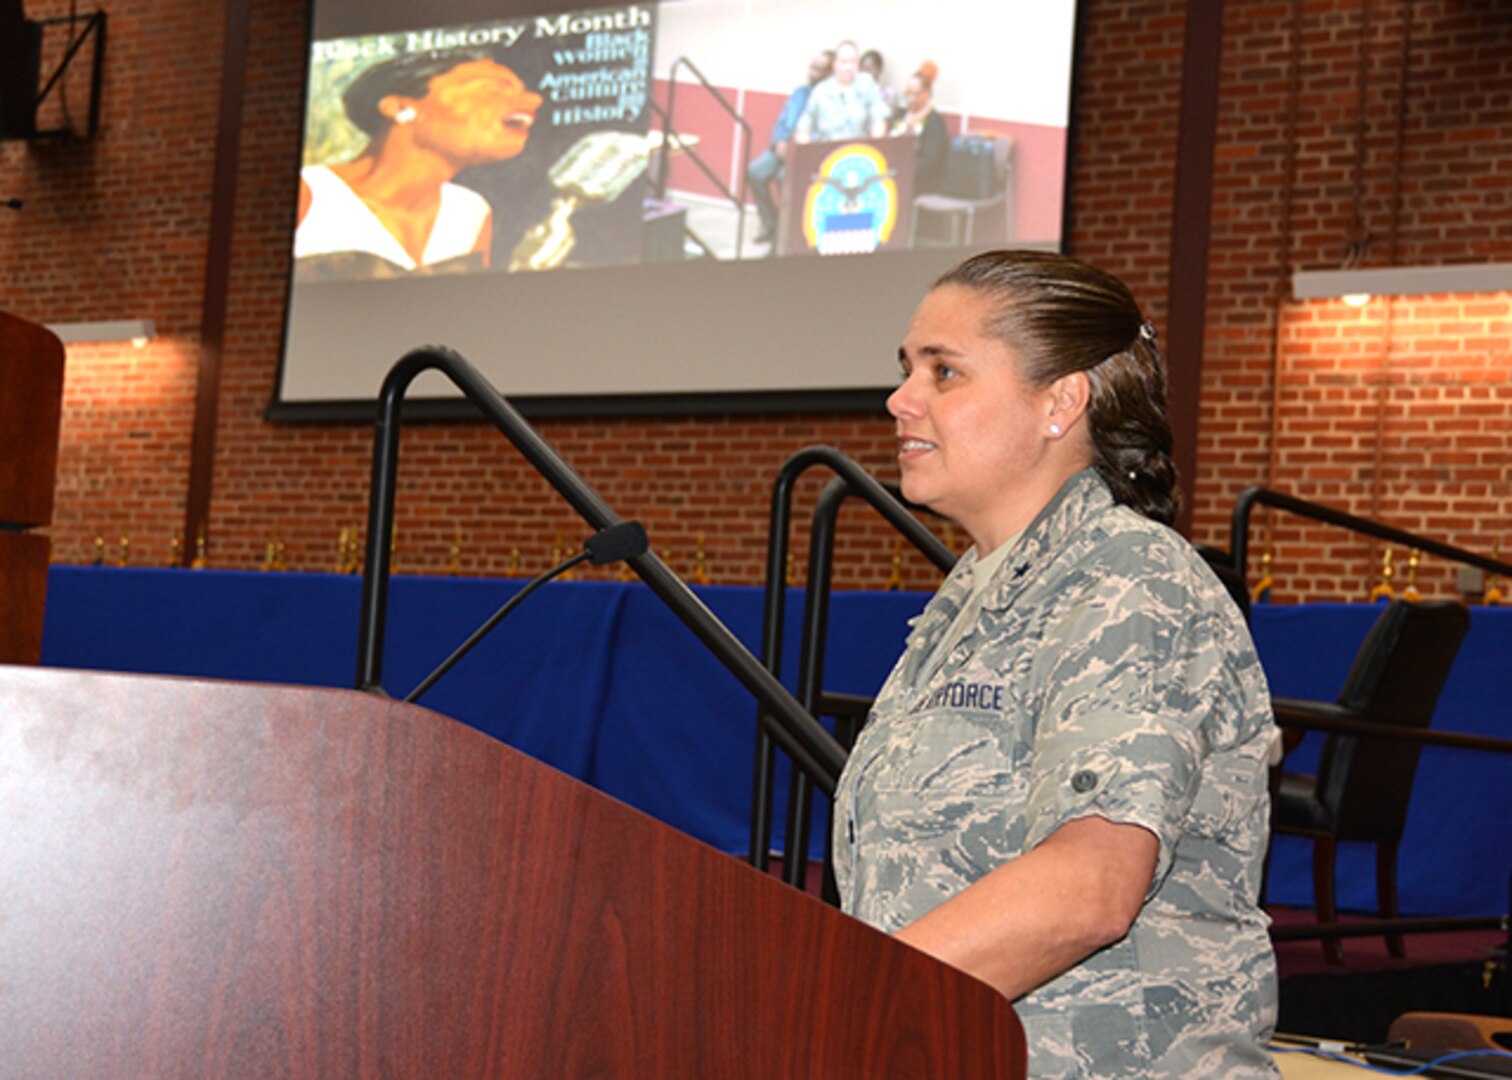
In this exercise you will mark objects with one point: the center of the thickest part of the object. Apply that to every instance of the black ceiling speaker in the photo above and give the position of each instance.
(20, 63)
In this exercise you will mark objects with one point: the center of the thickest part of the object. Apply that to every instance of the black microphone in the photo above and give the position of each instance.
(623, 541)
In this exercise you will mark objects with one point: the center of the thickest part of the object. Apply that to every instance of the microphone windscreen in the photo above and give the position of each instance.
(601, 165)
(623, 541)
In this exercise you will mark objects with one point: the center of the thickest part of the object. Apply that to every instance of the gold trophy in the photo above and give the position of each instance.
(1493, 594)
(597, 169)
(273, 553)
(1383, 589)
(1260, 594)
(1410, 591)
(123, 556)
(700, 563)
(894, 581)
(348, 553)
(201, 551)
(558, 556)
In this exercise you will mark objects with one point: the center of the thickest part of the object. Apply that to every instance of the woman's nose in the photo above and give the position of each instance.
(902, 402)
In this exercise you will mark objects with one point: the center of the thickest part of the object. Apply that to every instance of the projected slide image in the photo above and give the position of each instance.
(834, 131)
(500, 146)
(729, 203)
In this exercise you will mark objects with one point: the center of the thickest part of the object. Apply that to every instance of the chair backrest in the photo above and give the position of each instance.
(977, 167)
(1396, 679)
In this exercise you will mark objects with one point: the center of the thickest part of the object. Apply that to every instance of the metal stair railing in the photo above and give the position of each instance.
(802, 737)
(852, 481)
(737, 199)
(1251, 497)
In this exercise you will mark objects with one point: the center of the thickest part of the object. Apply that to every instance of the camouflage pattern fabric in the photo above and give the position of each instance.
(1108, 674)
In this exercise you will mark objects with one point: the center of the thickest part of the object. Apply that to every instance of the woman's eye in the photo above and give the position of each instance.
(944, 372)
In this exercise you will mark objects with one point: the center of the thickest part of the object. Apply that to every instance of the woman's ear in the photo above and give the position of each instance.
(1069, 398)
(396, 108)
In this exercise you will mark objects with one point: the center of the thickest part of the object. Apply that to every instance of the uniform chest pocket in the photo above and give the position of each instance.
(943, 753)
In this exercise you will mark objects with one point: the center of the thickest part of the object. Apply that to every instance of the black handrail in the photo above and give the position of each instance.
(1249, 497)
(811, 657)
(738, 198)
(785, 721)
(859, 483)
(688, 233)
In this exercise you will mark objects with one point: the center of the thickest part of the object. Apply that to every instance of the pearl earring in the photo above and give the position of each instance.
(405, 115)
(1055, 429)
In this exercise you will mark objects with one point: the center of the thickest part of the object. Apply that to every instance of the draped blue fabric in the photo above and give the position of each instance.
(601, 681)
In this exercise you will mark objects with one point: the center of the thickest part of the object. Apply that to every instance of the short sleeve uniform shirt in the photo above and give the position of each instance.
(1108, 673)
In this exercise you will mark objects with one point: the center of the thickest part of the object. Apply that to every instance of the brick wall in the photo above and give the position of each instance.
(113, 229)
(1401, 410)
(1398, 410)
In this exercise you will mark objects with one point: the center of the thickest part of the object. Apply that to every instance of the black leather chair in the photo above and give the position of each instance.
(1363, 785)
(1222, 564)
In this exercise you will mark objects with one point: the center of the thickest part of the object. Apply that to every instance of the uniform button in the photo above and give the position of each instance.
(1084, 781)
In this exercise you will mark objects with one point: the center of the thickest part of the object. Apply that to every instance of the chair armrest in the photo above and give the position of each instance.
(1296, 716)
(1298, 711)
(1301, 714)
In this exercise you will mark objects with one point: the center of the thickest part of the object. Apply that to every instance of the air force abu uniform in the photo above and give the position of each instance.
(1106, 674)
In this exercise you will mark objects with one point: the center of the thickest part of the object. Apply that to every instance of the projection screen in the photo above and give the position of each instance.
(568, 195)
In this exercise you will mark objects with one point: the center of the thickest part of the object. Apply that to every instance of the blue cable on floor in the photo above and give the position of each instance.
(1423, 1068)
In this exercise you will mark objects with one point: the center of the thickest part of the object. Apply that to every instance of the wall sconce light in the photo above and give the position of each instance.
(137, 331)
(1355, 286)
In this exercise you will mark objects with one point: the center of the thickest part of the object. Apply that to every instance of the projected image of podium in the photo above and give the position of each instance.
(223, 879)
(847, 198)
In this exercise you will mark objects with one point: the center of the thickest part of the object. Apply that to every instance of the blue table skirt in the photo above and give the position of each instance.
(603, 682)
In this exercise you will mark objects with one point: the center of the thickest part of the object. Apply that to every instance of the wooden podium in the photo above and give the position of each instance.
(218, 879)
(31, 409)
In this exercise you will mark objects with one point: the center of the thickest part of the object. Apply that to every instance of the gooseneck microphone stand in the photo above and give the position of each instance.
(790, 725)
(623, 541)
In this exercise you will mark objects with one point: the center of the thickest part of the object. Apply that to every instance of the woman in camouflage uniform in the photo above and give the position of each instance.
(1061, 788)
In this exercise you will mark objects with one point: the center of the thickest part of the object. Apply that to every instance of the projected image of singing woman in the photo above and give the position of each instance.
(393, 209)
